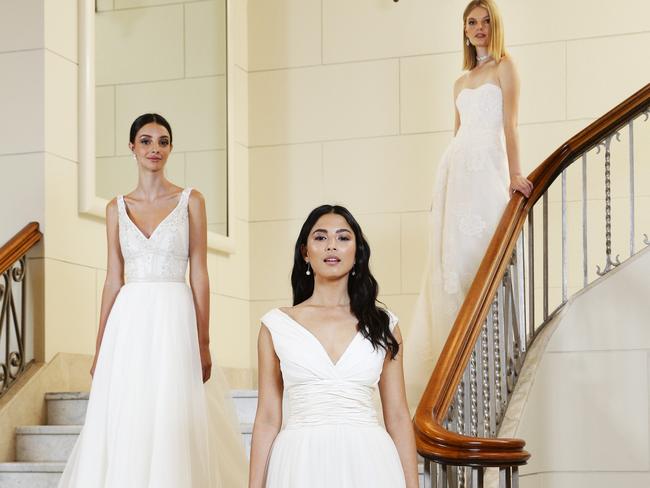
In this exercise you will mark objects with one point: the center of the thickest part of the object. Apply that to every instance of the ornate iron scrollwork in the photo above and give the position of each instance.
(12, 325)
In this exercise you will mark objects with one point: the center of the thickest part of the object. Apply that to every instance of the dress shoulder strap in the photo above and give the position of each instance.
(392, 320)
(120, 204)
(273, 320)
(185, 195)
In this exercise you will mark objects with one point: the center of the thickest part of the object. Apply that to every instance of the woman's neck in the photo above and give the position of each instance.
(482, 51)
(330, 293)
(152, 185)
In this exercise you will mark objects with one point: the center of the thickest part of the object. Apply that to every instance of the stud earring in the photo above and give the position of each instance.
(354, 271)
(308, 272)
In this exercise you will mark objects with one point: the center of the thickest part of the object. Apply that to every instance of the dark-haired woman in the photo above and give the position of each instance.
(326, 355)
(151, 422)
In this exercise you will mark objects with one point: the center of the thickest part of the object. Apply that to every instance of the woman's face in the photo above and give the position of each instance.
(477, 27)
(331, 247)
(152, 146)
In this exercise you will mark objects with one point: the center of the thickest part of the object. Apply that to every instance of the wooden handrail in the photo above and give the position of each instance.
(433, 440)
(18, 245)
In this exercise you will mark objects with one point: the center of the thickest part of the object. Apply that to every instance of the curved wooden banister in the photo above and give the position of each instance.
(18, 245)
(433, 440)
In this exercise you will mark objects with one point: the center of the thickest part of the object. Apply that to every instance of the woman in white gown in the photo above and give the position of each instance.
(478, 171)
(151, 422)
(326, 355)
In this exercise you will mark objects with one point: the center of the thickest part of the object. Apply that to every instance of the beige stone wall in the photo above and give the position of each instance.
(351, 102)
(182, 75)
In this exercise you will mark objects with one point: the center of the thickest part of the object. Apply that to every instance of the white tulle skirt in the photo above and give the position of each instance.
(328, 456)
(151, 422)
(469, 196)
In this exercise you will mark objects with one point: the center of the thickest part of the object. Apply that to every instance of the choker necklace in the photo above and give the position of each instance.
(480, 59)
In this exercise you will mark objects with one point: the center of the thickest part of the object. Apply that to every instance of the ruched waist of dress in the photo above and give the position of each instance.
(155, 279)
(477, 132)
(330, 402)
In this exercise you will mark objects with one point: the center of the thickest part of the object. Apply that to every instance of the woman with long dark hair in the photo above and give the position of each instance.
(325, 356)
(153, 419)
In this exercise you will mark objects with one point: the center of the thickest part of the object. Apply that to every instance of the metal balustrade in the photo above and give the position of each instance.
(15, 351)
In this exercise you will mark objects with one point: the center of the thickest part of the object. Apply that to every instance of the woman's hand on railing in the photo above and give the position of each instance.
(520, 183)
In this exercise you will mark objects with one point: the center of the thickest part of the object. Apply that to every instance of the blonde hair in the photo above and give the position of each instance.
(496, 47)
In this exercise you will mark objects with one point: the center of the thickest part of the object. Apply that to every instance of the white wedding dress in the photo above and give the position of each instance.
(469, 197)
(331, 437)
(151, 422)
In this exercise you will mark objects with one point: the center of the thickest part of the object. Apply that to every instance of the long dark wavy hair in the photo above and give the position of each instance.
(362, 286)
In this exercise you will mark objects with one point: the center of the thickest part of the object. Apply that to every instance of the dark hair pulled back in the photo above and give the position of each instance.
(145, 119)
(362, 286)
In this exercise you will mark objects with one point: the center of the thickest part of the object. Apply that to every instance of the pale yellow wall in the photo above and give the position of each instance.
(351, 102)
(182, 75)
(22, 144)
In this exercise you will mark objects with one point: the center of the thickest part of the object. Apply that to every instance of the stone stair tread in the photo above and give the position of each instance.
(71, 395)
(35, 467)
(48, 429)
(243, 393)
(84, 395)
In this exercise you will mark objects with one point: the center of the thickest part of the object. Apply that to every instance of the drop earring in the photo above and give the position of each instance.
(308, 272)
(354, 271)
(467, 41)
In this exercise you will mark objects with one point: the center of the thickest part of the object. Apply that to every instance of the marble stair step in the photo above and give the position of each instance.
(70, 408)
(45, 443)
(245, 404)
(66, 408)
(30, 475)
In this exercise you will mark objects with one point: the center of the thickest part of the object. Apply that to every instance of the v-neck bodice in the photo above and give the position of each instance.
(163, 256)
(318, 390)
(307, 331)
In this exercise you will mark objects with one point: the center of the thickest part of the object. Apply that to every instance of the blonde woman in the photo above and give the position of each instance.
(478, 172)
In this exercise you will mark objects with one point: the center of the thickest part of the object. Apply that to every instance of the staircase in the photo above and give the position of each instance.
(42, 450)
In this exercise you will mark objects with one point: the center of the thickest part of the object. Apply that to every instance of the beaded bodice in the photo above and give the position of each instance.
(163, 256)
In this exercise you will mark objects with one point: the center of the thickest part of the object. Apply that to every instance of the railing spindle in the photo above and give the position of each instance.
(585, 259)
(565, 251)
(545, 252)
(631, 159)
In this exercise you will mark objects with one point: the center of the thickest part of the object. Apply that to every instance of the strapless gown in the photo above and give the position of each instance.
(469, 197)
(151, 422)
(331, 436)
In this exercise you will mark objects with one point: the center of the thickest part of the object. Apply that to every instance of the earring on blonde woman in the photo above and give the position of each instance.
(467, 41)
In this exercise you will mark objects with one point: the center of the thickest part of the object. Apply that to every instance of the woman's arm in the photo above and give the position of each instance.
(509, 81)
(396, 413)
(114, 274)
(268, 418)
(199, 277)
(458, 86)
